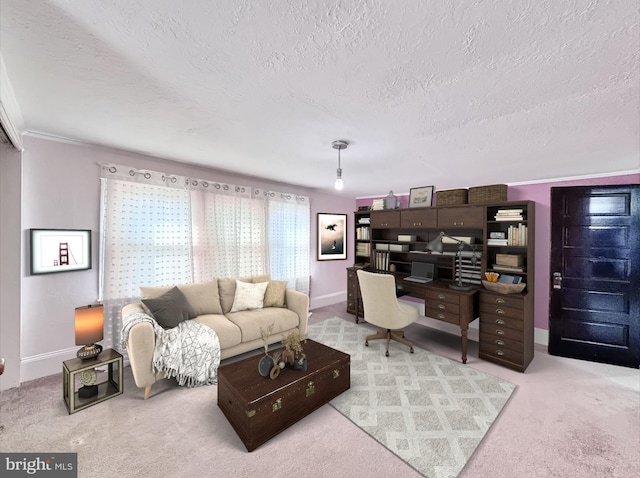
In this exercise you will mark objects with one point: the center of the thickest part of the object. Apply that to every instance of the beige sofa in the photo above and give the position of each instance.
(213, 302)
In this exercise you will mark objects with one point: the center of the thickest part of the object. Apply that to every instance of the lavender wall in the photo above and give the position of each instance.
(541, 194)
(62, 190)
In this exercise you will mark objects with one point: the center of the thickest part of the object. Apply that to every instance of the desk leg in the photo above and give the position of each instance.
(464, 344)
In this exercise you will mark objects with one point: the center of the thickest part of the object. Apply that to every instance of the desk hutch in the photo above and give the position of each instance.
(388, 241)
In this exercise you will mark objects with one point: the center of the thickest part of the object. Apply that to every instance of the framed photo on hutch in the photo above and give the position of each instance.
(60, 250)
(332, 236)
(421, 197)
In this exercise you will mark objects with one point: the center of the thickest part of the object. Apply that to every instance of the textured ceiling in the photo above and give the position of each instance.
(452, 94)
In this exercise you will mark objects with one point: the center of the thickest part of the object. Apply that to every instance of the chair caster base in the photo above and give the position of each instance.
(366, 344)
(386, 354)
(411, 350)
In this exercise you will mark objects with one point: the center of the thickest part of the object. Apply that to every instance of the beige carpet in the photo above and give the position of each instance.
(430, 411)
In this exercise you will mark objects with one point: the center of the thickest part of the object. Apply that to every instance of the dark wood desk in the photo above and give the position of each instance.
(459, 307)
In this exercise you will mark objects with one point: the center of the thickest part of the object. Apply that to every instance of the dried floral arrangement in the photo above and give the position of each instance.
(265, 334)
(293, 342)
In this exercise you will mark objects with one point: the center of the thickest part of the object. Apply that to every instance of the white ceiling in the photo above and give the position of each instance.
(448, 93)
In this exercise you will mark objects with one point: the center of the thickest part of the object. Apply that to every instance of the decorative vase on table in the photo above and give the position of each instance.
(265, 365)
(300, 363)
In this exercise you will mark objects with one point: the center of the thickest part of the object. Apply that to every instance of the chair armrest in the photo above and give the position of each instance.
(299, 303)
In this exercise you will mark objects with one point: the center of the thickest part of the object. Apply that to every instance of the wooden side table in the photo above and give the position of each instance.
(111, 387)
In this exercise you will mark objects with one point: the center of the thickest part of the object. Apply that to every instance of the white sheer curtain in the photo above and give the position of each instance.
(160, 229)
(146, 238)
(229, 231)
(289, 228)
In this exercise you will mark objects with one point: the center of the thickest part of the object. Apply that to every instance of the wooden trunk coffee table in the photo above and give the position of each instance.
(259, 408)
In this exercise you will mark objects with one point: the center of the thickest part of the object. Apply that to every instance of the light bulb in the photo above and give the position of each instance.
(339, 184)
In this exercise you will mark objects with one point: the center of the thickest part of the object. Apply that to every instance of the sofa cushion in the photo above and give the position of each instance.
(170, 308)
(229, 334)
(250, 321)
(248, 296)
(203, 296)
(227, 289)
(274, 296)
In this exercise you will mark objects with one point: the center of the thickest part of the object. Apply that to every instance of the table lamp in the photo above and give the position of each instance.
(435, 245)
(89, 330)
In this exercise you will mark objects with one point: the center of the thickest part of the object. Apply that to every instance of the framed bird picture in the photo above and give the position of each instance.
(332, 236)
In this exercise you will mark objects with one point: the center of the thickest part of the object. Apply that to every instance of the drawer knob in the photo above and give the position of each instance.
(499, 352)
(441, 306)
(499, 301)
(499, 342)
(499, 332)
(500, 311)
(499, 321)
(441, 316)
(440, 296)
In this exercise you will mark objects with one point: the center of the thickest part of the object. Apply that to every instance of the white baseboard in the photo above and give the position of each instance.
(43, 365)
(326, 300)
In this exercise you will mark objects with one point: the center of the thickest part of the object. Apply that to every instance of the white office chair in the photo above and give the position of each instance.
(382, 309)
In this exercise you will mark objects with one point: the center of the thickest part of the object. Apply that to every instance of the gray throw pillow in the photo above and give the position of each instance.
(170, 308)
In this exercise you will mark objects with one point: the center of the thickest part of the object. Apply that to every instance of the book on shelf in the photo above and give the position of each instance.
(364, 220)
(382, 260)
(363, 233)
(509, 215)
(497, 242)
(377, 204)
(363, 249)
(509, 279)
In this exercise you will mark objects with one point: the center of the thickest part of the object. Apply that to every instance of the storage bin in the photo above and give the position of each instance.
(451, 197)
(509, 259)
(488, 194)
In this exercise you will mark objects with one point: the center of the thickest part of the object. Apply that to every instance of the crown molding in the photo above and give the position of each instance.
(10, 115)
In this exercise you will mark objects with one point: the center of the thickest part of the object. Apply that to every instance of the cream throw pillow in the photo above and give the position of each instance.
(248, 296)
(275, 294)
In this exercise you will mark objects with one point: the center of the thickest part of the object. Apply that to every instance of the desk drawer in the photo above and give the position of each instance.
(447, 316)
(501, 342)
(496, 326)
(437, 296)
(491, 310)
(501, 353)
(501, 300)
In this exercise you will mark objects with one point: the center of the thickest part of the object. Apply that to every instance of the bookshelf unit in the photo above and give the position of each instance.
(362, 242)
(507, 320)
(510, 252)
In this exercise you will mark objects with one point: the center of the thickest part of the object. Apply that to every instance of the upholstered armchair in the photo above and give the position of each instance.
(382, 309)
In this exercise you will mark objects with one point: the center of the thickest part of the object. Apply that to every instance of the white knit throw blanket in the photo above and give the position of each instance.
(190, 352)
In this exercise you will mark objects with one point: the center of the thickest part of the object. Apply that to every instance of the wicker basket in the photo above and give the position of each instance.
(504, 288)
(488, 194)
(451, 197)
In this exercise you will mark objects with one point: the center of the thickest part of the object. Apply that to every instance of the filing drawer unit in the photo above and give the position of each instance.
(506, 331)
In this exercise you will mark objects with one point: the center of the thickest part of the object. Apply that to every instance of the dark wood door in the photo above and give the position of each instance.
(594, 312)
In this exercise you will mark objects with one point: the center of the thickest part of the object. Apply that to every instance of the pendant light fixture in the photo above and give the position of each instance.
(339, 145)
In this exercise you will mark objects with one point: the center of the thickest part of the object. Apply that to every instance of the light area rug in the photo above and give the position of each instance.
(428, 410)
